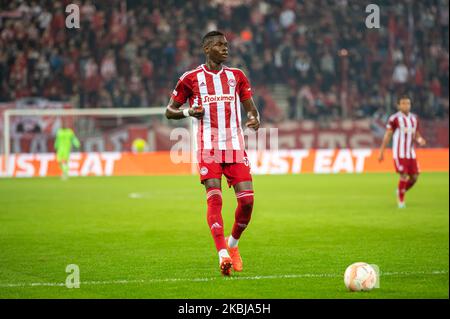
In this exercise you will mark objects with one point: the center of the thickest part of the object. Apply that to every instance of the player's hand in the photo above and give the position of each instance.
(252, 123)
(197, 112)
(421, 141)
(381, 157)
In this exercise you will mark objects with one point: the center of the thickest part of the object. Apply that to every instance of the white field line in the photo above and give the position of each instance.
(149, 281)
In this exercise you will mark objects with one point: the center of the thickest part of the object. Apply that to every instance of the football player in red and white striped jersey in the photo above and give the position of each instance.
(403, 127)
(215, 93)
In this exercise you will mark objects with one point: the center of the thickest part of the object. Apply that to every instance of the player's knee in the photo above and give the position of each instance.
(245, 201)
(214, 197)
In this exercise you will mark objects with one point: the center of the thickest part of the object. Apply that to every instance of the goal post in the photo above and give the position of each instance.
(97, 112)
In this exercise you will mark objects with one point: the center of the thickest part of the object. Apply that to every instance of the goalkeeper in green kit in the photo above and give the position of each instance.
(65, 138)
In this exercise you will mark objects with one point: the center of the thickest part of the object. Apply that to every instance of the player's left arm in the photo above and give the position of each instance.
(252, 114)
(245, 94)
(75, 140)
(420, 140)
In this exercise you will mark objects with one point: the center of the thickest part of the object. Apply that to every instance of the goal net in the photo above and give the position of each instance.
(109, 130)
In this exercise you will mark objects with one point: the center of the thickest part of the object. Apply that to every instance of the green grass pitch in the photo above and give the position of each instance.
(147, 237)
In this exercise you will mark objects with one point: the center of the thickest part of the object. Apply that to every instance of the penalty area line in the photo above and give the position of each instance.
(206, 279)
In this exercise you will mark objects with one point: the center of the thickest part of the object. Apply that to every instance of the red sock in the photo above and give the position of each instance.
(402, 189)
(410, 183)
(214, 216)
(243, 213)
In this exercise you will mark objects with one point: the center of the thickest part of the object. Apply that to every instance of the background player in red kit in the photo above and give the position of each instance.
(215, 93)
(404, 127)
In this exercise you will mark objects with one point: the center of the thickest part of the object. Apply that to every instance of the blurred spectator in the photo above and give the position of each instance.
(131, 52)
(400, 75)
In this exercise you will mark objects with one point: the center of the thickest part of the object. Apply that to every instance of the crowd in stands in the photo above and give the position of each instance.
(130, 53)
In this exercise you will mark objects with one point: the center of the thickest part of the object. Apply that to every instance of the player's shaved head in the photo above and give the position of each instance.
(215, 47)
(207, 38)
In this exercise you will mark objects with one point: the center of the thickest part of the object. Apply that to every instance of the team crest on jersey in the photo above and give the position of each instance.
(203, 170)
(202, 84)
(232, 82)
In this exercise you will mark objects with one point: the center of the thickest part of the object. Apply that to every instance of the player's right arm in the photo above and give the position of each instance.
(179, 96)
(386, 139)
(174, 112)
(56, 145)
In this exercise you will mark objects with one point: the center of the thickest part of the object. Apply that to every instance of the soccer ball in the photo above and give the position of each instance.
(360, 276)
(139, 145)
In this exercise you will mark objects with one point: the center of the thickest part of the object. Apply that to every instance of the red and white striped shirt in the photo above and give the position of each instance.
(220, 93)
(404, 128)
